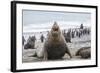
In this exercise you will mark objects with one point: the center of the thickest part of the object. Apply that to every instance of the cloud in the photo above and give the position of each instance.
(40, 17)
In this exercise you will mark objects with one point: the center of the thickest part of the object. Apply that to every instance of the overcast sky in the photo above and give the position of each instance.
(38, 17)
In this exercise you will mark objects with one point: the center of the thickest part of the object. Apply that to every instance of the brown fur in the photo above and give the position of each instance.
(84, 52)
(55, 46)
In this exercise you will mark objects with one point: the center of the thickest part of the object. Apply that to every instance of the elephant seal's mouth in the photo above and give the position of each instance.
(55, 29)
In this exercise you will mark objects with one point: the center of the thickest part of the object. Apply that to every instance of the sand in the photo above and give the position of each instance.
(76, 43)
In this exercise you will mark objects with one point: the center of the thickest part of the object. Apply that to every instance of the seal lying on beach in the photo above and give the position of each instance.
(55, 45)
(30, 43)
(84, 52)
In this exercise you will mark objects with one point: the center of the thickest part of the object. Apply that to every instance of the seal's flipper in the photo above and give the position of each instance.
(68, 52)
(45, 55)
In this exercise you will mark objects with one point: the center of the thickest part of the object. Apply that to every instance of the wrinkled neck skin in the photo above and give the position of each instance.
(54, 40)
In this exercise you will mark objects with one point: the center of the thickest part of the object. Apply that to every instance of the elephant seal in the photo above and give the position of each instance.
(55, 45)
(84, 52)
